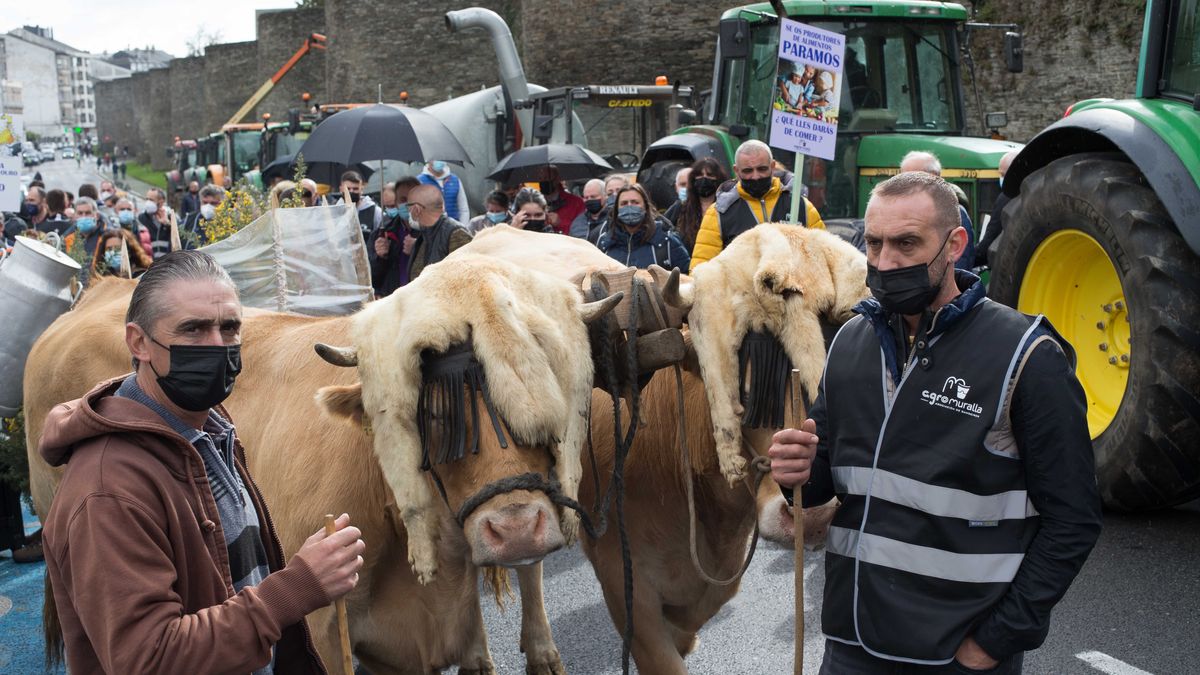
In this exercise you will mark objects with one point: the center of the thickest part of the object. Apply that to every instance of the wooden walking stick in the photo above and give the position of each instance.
(798, 413)
(340, 604)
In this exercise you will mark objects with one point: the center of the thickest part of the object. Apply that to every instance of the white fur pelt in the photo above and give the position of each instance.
(777, 278)
(529, 336)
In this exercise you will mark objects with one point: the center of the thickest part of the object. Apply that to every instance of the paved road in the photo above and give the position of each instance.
(62, 174)
(1137, 602)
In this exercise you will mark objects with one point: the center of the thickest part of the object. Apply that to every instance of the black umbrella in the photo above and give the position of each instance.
(322, 172)
(377, 132)
(529, 164)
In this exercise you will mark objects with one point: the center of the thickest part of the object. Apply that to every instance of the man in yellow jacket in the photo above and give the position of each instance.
(759, 197)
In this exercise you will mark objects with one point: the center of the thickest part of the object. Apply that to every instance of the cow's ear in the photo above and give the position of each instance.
(342, 402)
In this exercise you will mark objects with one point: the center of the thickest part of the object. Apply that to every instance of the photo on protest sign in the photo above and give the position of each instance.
(808, 84)
(12, 128)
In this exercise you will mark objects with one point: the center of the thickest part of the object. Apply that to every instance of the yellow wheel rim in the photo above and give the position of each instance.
(1073, 282)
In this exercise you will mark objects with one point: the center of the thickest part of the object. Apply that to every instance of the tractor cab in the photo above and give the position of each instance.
(900, 90)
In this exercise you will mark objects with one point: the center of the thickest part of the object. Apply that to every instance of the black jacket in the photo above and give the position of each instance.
(1041, 447)
(390, 273)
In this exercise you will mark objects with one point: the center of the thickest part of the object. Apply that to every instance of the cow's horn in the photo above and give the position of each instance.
(345, 357)
(675, 296)
(591, 311)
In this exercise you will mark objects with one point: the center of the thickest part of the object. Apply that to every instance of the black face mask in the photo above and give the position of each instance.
(593, 206)
(906, 290)
(706, 187)
(757, 187)
(201, 376)
(535, 225)
(355, 196)
(29, 210)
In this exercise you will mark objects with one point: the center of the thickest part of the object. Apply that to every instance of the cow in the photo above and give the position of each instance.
(322, 436)
(777, 279)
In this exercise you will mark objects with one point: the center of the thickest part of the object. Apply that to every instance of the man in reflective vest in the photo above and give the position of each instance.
(955, 433)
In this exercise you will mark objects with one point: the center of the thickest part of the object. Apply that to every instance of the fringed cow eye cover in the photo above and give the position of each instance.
(769, 368)
(449, 382)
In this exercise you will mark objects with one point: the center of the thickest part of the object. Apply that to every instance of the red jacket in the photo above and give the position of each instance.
(569, 207)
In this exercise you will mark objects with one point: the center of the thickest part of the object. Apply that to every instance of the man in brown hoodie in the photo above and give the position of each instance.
(160, 550)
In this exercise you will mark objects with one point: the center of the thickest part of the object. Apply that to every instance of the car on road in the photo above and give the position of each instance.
(68, 153)
(31, 158)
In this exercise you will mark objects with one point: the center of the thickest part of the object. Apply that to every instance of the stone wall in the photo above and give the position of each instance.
(231, 72)
(625, 42)
(115, 114)
(1074, 49)
(187, 83)
(406, 47)
(280, 34)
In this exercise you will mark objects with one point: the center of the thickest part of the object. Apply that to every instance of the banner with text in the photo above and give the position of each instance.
(807, 89)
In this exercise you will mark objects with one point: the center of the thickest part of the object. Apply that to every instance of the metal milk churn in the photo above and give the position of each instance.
(35, 289)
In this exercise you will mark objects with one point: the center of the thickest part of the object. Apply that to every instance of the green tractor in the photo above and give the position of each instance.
(901, 91)
(1102, 237)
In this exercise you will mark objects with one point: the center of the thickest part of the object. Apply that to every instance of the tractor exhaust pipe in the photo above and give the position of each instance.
(512, 73)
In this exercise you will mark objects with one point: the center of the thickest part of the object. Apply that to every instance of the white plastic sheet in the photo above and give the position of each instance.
(305, 260)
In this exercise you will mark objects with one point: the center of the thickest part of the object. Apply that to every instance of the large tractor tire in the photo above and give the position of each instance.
(1089, 244)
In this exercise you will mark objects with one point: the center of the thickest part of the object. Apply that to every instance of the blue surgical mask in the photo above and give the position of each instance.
(682, 192)
(497, 216)
(112, 258)
(631, 214)
(85, 225)
(402, 211)
(439, 166)
(392, 211)
(125, 217)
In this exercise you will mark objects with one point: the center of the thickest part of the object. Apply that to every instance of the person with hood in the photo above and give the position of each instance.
(638, 237)
(437, 174)
(758, 197)
(955, 432)
(437, 234)
(159, 547)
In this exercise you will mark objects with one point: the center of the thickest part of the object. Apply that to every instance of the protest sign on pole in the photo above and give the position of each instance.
(807, 95)
(10, 184)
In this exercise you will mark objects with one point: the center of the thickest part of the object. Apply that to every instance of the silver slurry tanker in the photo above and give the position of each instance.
(35, 289)
(492, 122)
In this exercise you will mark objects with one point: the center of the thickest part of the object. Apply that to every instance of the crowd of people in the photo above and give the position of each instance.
(104, 219)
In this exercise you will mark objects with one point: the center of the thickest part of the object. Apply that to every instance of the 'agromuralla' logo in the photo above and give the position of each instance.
(953, 397)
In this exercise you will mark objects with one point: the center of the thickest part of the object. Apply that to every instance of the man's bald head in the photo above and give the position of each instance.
(425, 206)
(1006, 161)
(919, 160)
(426, 195)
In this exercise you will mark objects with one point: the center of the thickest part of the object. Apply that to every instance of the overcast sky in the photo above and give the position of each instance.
(104, 25)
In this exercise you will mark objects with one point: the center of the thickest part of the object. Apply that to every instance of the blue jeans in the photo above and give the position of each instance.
(844, 659)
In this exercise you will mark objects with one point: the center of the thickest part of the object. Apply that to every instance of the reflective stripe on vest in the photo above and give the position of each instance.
(932, 499)
(975, 568)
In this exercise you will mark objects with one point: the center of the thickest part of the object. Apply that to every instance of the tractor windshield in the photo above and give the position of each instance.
(898, 76)
(245, 152)
(288, 144)
(1182, 72)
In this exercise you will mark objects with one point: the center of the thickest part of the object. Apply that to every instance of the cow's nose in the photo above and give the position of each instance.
(516, 534)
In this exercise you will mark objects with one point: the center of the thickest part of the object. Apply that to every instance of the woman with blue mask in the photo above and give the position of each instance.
(495, 212)
(639, 237)
(109, 258)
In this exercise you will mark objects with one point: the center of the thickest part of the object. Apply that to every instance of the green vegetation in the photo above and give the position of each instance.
(144, 173)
